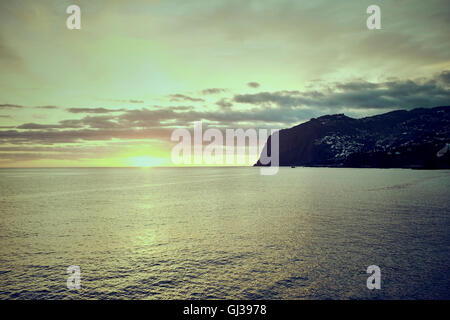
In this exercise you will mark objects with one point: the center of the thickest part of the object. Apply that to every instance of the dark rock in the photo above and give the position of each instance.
(398, 139)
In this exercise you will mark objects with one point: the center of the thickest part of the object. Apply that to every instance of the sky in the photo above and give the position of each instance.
(111, 93)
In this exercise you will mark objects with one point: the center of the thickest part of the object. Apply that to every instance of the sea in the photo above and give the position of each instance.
(224, 233)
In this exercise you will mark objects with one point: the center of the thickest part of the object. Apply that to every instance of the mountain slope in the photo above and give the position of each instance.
(418, 138)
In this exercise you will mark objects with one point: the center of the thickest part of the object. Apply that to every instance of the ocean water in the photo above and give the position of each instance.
(224, 233)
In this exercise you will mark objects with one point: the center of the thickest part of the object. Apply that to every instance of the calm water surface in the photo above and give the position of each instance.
(224, 233)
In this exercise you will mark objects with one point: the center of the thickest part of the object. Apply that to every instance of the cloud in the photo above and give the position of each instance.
(178, 97)
(47, 107)
(36, 126)
(17, 156)
(93, 110)
(445, 77)
(253, 84)
(124, 100)
(13, 106)
(142, 124)
(278, 109)
(73, 136)
(224, 104)
(360, 94)
(100, 122)
(213, 91)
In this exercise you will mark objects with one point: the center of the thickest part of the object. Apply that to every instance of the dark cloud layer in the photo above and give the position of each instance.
(402, 94)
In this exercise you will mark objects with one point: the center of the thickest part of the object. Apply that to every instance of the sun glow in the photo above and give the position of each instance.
(145, 161)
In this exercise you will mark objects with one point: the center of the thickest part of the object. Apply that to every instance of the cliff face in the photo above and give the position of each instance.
(400, 139)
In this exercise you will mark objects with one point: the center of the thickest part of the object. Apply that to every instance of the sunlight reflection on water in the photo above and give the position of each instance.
(224, 233)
